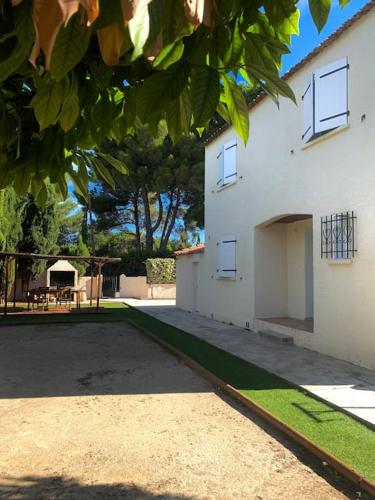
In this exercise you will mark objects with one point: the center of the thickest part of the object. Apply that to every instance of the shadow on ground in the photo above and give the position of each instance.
(43, 488)
(38, 361)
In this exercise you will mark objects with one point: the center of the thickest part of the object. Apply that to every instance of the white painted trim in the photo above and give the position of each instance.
(340, 262)
(221, 188)
(325, 136)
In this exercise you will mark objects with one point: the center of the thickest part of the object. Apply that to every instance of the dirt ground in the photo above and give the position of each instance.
(100, 411)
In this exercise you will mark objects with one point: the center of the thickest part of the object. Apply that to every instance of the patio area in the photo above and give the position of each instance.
(55, 290)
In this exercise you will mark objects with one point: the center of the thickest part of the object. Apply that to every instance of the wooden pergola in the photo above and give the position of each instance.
(93, 260)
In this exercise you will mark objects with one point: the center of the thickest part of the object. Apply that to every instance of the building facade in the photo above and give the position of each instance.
(290, 217)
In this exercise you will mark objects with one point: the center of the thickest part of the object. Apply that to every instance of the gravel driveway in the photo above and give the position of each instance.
(100, 411)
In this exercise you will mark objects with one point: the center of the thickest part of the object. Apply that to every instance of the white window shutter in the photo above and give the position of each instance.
(230, 161)
(220, 163)
(331, 96)
(227, 256)
(308, 111)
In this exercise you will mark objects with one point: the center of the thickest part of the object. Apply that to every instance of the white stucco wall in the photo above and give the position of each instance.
(85, 285)
(278, 176)
(271, 298)
(137, 287)
(296, 269)
(188, 268)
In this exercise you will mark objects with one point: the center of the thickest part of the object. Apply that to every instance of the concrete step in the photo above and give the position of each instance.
(281, 338)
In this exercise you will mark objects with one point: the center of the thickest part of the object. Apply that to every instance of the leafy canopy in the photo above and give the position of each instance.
(74, 73)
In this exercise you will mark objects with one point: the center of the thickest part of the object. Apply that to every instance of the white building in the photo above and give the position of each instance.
(290, 218)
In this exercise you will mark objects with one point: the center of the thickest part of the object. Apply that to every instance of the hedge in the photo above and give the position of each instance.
(161, 271)
(133, 262)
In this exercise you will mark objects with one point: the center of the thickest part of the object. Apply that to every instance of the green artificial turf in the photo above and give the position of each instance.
(338, 433)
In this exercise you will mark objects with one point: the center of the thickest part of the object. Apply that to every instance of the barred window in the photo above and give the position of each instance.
(338, 240)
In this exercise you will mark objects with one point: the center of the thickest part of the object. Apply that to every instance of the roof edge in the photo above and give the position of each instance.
(190, 250)
(292, 71)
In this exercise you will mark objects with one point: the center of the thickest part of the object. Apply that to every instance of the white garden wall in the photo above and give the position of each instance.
(137, 288)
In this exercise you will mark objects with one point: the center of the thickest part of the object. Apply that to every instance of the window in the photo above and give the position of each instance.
(227, 162)
(227, 256)
(325, 100)
(338, 238)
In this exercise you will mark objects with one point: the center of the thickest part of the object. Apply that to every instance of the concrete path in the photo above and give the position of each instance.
(348, 386)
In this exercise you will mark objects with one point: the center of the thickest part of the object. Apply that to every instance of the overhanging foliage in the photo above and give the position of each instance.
(74, 73)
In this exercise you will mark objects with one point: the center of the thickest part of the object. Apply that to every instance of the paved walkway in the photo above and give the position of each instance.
(346, 385)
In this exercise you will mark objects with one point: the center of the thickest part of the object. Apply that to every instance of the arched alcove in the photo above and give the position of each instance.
(284, 277)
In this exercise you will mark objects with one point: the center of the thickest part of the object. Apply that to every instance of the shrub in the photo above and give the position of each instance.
(161, 271)
(133, 262)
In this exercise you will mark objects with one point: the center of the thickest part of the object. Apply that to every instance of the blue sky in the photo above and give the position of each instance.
(309, 37)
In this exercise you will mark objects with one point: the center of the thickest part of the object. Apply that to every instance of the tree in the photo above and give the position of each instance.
(40, 232)
(11, 210)
(75, 73)
(77, 248)
(71, 217)
(163, 180)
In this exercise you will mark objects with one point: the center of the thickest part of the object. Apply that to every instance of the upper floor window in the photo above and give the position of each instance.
(227, 256)
(325, 100)
(227, 162)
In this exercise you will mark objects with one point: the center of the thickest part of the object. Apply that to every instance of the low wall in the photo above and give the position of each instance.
(137, 288)
(84, 284)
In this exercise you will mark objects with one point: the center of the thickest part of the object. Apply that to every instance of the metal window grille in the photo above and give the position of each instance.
(338, 238)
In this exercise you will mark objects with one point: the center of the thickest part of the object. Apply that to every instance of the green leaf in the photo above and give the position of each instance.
(237, 107)
(70, 109)
(35, 187)
(223, 111)
(21, 181)
(179, 116)
(63, 187)
(47, 102)
(289, 26)
(256, 52)
(42, 195)
(233, 54)
(109, 13)
(169, 55)
(23, 24)
(205, 92)
(154, 93)
(319, 11)
(271, 79)
(343, 3)
(70, 46)
(139, 30)
(80, 184)
(103, 171)
(117, 164)
(13, 62)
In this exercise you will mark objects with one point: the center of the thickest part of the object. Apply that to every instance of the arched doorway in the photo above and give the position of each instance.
(284, 276)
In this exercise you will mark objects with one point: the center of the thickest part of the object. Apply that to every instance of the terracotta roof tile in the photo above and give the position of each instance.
(190, 250)
(318, 49)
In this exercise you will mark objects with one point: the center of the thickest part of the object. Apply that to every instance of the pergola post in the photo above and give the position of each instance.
(6, 264)
(100, 265)
(91, 282)
(15, 282)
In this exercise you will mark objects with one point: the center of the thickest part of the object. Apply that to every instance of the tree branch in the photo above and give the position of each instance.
(160, 215)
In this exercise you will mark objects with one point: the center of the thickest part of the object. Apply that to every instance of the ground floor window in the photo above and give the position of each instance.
(338, 239)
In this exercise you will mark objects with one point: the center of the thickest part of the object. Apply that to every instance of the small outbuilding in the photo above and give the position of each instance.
(188, 262)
